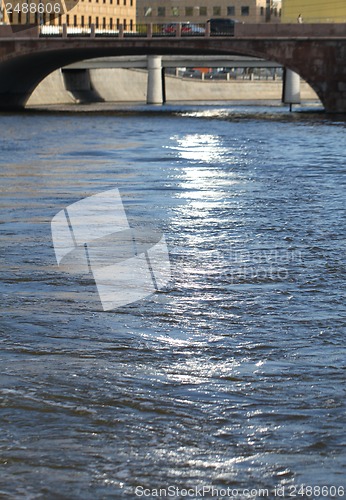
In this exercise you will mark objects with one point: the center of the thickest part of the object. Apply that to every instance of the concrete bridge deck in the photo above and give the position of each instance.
(176, 62)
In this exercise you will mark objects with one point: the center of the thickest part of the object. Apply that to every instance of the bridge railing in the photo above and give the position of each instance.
(260, 30)
(195, 30)
(139, 30)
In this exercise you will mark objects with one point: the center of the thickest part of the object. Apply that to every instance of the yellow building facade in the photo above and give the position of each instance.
(314, 11)
(199, 11)
(107, 14)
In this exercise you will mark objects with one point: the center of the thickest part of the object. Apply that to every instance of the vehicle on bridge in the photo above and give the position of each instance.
(222, 26)
(185, 28)
(192, 73)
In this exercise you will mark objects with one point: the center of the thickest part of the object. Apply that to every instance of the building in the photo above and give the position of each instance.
(314, 11)
(199, 11)
(107, 14)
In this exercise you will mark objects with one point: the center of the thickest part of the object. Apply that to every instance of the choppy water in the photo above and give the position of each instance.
(233, 377)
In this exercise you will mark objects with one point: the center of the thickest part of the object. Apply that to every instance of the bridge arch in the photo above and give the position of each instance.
(24, 63)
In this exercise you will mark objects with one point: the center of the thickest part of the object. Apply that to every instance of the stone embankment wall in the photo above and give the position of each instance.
(127, 85)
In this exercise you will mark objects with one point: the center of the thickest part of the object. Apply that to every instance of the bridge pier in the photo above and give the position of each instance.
(291, 89)
(154, 87)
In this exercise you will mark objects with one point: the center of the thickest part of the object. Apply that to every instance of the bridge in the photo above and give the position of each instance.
(175, 62)
(156, 66)
(317, 52)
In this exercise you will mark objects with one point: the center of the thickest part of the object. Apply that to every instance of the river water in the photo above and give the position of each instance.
(230, 378)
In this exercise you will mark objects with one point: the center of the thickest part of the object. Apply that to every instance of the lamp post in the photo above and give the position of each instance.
(268, 11)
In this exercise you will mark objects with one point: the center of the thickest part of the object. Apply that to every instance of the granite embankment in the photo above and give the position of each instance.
(128, 85)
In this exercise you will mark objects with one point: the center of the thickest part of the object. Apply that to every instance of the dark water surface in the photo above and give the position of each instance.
(233, 376)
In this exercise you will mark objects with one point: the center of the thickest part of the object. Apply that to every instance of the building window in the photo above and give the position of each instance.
(118, 2)
(90, 21)
(74, 20)
(262, 11)
(124, 2)
(104, 24)
(96, 21)
(175, 11)
(111, 23)
(161, 11)
(131, 3)
(131, 25)
(231, 10)
(188, 11)
(203, 11)
(125, 24)
(217, 11)
(67, 19)
(118, 23)
(82, 21)
(245, 10)
(148, 11)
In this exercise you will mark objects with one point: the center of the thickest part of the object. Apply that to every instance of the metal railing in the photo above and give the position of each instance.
(227, 74)
(121, 31)
(178, 30)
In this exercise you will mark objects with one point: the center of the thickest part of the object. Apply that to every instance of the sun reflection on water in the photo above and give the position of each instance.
(200, 148)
